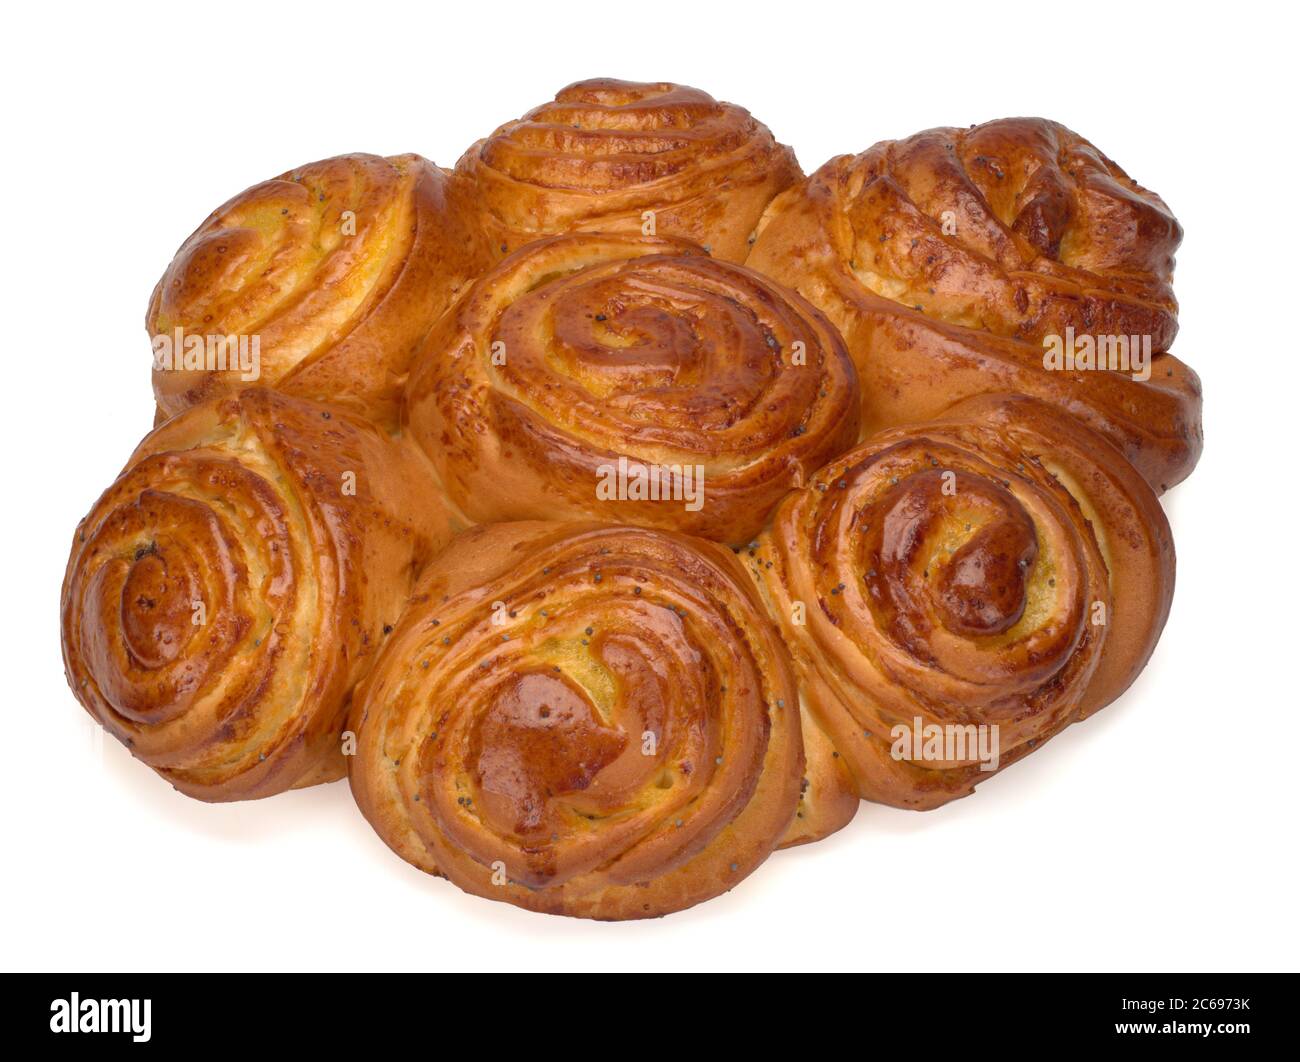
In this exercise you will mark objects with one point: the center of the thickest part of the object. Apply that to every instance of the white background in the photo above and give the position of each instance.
(1162, 834)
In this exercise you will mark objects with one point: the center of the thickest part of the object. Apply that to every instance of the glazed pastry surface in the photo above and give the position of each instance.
(622, 156)
(632, 379)
(582, 719)
(338, 268)
(1003, 566)
(948, 259)
(226, 593)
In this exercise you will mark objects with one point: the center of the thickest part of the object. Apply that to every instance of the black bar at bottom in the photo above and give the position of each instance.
(546, 1012)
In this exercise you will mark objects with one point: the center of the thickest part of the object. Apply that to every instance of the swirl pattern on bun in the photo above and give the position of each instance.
(330, 274)
(622, 156)
(226, 593)
(1012, 256)
(632, 379)
(581, 719)
(1001, 567)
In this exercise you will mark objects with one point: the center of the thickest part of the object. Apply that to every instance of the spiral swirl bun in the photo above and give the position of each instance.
(605, 152)
(581, 719)
(634, 379)
(1002, 567)
(955, 261)
(226, 593)
(335, 270)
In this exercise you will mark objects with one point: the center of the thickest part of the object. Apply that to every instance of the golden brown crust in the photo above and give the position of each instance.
(1124, 515)
(583, 360)
(828, 795)
(1003, 566)
(224, 596)
(947, 259)
(339, 268)
(605, 152)
(581, 719)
